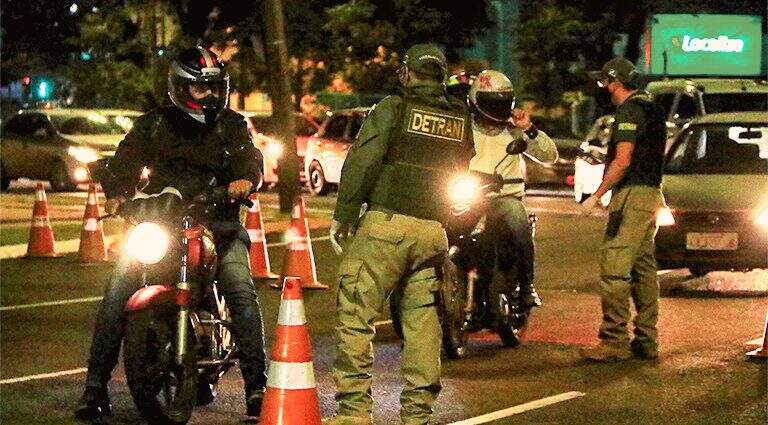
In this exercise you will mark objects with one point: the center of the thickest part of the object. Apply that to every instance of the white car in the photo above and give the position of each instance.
(590, 164)
(327, 149)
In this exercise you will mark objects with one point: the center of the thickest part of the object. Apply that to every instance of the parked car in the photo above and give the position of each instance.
(262, 129)
(716, 187)
(58, 144)
(327, 149)
(685, 99)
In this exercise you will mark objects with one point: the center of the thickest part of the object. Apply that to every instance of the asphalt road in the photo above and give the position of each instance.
(701, 378)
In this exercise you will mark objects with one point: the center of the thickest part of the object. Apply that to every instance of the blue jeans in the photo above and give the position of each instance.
(235, 282)
(508, 220)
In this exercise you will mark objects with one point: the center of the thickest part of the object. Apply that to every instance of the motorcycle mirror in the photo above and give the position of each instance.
(517, 146)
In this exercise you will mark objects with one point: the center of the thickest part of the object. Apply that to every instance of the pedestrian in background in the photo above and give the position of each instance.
(633, 170)
(406, 152)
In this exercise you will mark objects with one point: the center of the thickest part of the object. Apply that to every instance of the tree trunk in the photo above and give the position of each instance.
(282, 108)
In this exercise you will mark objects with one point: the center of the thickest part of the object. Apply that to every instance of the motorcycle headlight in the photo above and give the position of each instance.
(463, 190)
(664, 217)
(83, 154)
(147, 243)
(762, 219)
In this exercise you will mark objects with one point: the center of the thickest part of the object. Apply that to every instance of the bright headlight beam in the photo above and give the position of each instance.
(83, 154)
(762, 219)
(664, 217)
(147, 243)
(463, 190)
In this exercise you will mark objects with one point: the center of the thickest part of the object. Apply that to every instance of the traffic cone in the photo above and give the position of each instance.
(299, 259)
(259, 256)
(92, 249)
(40, 234)
(291, 396)
(761, 352)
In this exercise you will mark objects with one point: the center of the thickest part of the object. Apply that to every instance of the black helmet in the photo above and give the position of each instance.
(458, 85)
(200, 69)
(492, 96)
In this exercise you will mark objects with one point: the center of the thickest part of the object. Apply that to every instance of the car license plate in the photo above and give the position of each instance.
(712, 241)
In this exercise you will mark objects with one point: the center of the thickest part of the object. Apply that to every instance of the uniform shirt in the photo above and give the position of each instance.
(630, 126)
(365, 159)
(184, 154)
(490, 149)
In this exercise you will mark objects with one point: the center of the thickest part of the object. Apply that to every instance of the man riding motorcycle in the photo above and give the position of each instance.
(185, 146)
(495, 123)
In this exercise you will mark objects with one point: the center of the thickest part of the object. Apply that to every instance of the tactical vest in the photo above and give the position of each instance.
(646, 168)
(429, 144)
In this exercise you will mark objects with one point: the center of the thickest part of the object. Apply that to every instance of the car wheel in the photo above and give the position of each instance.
(60, 181)
(4, 181)
(316, 179)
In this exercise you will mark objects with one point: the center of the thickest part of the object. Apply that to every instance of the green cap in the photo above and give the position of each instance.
(618, 68)
(427, 59)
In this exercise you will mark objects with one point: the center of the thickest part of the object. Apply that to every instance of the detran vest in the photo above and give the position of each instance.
(431, 142)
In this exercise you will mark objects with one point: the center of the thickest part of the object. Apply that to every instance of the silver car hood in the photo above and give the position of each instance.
(107, 142)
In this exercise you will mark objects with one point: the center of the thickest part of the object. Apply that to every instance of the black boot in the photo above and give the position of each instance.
(529, 298)
(253, 400)
(94, 404)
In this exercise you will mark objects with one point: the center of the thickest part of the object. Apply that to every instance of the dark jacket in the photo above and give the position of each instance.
(185, 154)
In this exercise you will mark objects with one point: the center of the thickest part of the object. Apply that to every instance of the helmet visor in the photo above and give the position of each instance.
(496, 105)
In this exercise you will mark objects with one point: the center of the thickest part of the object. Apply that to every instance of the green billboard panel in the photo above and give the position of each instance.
(725, 45)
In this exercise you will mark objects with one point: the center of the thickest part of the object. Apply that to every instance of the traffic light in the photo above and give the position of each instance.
(25, 82)
(44, 89)
(85, 56)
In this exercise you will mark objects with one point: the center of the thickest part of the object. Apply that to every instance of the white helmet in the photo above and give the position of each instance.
(492, 96)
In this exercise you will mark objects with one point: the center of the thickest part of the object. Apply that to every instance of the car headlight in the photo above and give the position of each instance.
(664, 217)
(463, 190)
(83, 154)
(147, 243)
(275, 149)
(762, 219)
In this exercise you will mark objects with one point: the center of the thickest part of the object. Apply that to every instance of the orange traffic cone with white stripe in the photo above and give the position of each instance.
(291, 396)
(259, 256)
(761, 353)
(299, 259)
(41, 233)
(92, 249)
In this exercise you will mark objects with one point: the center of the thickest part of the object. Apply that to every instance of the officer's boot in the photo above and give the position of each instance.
(94, 404)
(528, 296)
(253, 401)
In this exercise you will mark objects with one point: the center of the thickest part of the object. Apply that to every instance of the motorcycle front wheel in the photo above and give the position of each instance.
(164, 393)
(512, 321)
(453, 298)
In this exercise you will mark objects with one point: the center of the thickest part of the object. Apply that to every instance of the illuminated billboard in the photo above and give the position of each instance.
(727, 45)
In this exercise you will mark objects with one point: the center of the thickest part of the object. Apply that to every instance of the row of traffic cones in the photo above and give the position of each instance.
(299, 258)
(41, 240)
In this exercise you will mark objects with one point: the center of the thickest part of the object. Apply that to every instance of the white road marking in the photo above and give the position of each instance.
(663, 272)
(531, 405)
(96, 299)
(51, 303)
(62, 247)
(43, 376)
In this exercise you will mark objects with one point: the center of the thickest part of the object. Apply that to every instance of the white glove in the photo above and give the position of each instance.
(340, 234)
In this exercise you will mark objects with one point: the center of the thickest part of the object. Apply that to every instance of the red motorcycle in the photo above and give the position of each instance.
(177, 339)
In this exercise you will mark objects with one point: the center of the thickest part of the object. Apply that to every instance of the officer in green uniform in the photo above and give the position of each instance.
(633, 171)
(407, 150)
